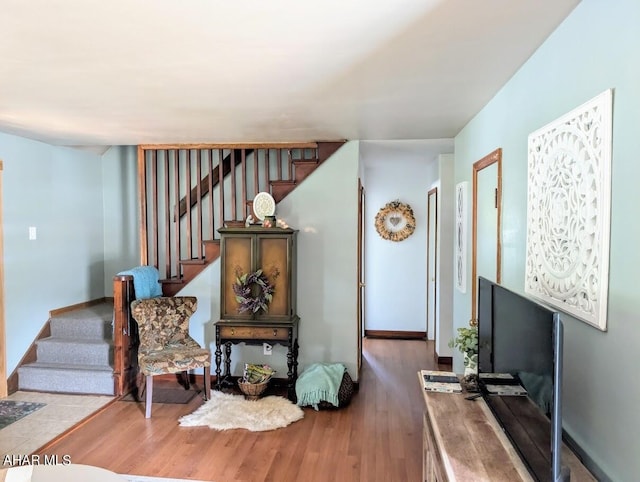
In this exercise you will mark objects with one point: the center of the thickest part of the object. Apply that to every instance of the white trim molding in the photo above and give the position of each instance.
(461, 236)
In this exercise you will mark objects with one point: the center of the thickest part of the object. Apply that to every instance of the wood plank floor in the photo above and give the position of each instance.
(378, 437)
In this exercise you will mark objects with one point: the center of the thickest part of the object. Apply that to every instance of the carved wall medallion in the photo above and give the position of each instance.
(395, 221)
(461, 237)
(568, 211)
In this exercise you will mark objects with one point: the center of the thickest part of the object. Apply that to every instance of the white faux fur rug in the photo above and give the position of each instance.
(226, 411)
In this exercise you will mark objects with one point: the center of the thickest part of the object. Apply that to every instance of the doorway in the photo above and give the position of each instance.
(432, 257)
(3, 342)
(361, 274)
(487, 215)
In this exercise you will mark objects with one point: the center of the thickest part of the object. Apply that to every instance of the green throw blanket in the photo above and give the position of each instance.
(320, 382)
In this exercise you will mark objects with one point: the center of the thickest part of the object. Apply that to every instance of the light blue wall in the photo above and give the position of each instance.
(121, 212)
(325, 210)
(58, 191)
(595, 48)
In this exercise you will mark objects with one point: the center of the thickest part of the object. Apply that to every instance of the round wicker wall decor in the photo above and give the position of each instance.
(395, 221)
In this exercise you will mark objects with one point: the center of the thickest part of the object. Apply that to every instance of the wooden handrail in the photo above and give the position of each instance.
(125, 331)
(207, 183)
(232, 145)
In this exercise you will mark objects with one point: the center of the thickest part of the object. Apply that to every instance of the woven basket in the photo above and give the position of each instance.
(252, 391)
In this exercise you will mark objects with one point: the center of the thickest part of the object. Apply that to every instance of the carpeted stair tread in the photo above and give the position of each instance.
(74, 351)
(86, 331)
(67, 366)
(101, 311)
(83, 341)
(87, 323)
(66, 378)
(77, 357)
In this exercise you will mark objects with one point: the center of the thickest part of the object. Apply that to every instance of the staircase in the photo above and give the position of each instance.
(77, 357)
(188, 192)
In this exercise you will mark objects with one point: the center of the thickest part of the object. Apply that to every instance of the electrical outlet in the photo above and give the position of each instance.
(267, 348)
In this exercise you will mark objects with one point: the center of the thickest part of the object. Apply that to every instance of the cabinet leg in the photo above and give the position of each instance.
(218, 360)
(227, 360)
(291, 381)
(295, 360)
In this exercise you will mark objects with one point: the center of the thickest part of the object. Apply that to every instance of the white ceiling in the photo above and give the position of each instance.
(119, 72)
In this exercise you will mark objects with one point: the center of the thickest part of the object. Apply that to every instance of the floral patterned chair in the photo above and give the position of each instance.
(165, 345)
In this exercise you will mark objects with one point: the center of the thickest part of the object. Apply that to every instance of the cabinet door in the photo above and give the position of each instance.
(274, 258)
(236, 258)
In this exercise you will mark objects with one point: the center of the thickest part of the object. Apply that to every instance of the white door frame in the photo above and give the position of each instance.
(432, 248)
(3, 341)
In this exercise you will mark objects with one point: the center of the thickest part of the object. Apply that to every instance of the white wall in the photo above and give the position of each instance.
(395, 272)
(445, 267)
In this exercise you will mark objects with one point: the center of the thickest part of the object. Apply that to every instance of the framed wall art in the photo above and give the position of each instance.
(461, 236)
(568, 211)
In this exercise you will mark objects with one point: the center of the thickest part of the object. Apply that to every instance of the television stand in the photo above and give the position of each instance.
(462, 440)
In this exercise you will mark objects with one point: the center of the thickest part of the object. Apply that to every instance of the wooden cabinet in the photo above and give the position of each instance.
(462, 440)
(431, 461)
(244, 251)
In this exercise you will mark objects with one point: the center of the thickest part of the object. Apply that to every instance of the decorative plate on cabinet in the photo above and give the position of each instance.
(264, 205)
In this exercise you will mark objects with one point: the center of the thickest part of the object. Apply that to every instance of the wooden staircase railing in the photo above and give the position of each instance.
(188, 191)
(125, 336)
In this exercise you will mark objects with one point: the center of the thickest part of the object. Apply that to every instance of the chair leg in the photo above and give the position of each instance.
(207, 383)
(148, 403)
(187, 382)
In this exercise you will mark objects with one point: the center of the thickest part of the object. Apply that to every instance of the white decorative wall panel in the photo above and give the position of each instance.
(568, 211)
(461, 236)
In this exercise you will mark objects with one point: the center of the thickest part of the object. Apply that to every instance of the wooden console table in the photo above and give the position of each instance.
(230, 332)
(463, 441)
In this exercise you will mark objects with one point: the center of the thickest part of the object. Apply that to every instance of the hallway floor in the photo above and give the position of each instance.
(61, 412)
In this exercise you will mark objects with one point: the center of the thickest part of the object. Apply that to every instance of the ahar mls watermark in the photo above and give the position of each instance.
(12, 460)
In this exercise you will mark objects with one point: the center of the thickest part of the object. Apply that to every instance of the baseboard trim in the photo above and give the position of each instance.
(77, 306)
(29, 357)
(584, 457)
(444, 360)
(396, 335)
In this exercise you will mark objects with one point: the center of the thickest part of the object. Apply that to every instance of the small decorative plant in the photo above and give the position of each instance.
(467, 343)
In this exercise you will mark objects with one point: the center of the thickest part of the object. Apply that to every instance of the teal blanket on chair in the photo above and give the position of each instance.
(146, 281)
(320, 382)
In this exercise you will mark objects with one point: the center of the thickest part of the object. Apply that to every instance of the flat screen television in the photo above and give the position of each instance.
(520, 375)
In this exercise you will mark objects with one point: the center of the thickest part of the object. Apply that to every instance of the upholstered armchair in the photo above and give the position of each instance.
(165, 345)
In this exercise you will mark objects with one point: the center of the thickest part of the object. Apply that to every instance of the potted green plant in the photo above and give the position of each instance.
(467, 343)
